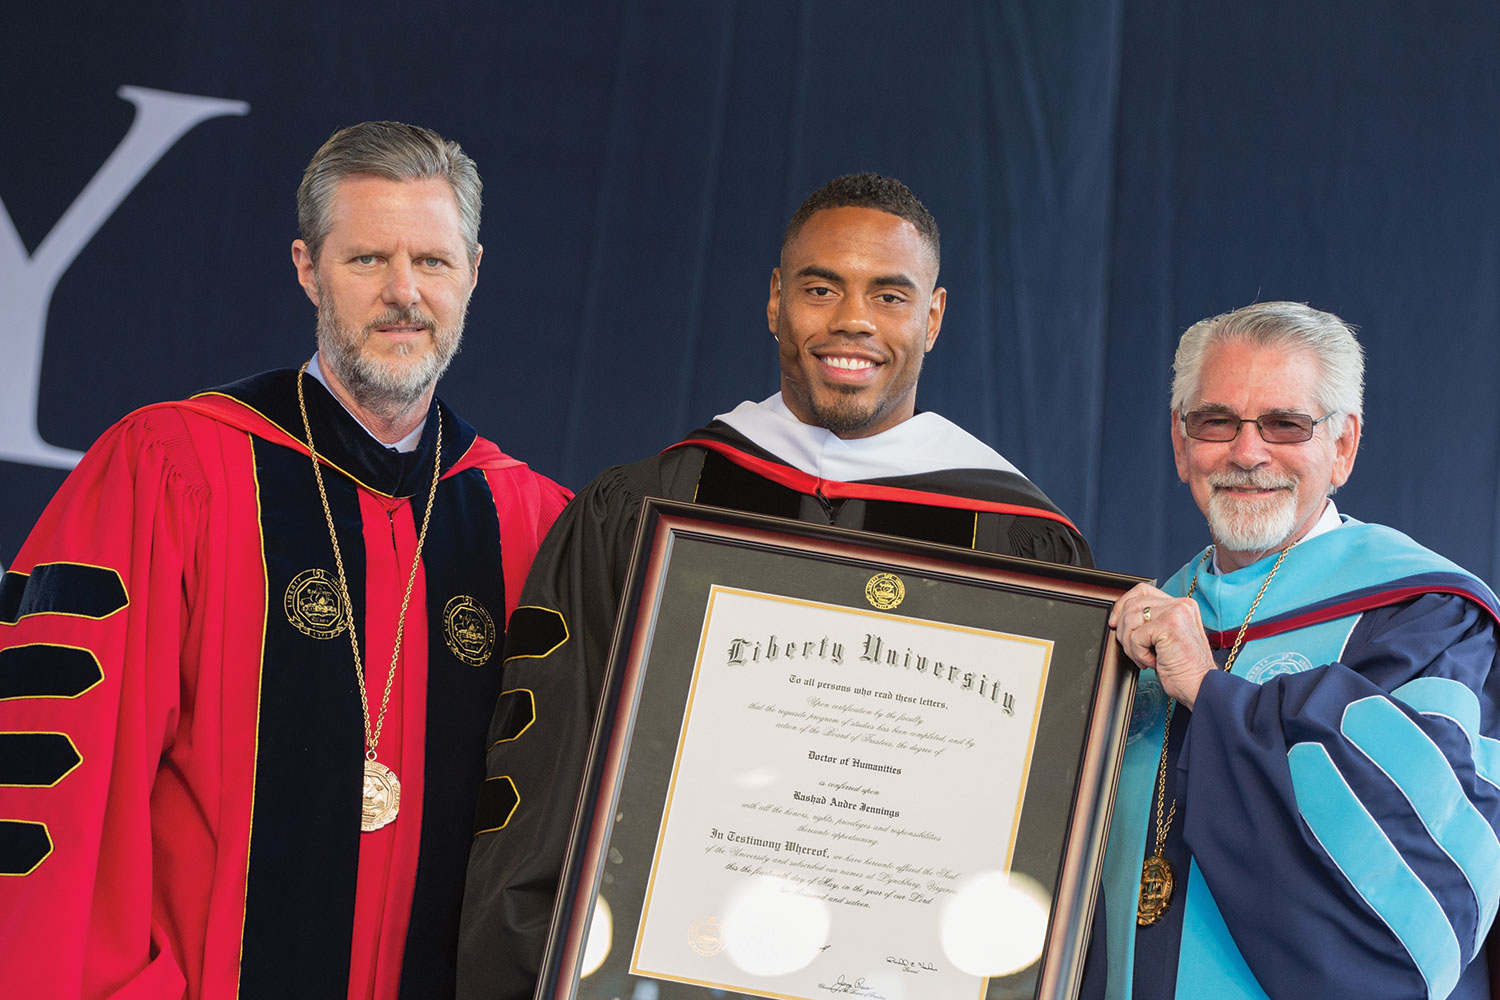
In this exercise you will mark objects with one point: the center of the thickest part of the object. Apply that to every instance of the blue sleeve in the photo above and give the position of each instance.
(1345, 817)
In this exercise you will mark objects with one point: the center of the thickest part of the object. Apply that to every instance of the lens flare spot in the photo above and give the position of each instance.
(600, 938)
(770, 930)
(996, 924)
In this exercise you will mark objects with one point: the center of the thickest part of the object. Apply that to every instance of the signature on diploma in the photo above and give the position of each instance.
(908, 965)
(857, 988)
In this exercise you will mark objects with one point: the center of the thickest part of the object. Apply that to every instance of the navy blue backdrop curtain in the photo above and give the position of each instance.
(1105, 172)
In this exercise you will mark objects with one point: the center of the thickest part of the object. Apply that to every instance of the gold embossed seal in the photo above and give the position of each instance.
(469, 630)
(313, 604)
(885, 591)
(706, 937)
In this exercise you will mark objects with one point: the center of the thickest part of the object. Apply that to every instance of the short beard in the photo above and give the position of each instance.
(1260, 525)
(849, 414)
(845, 414)
(387, 390)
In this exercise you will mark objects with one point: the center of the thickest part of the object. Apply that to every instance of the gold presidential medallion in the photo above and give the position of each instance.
(885, 591)
(469, 630)
(1157, 883)
(382, 799)
(313, 604)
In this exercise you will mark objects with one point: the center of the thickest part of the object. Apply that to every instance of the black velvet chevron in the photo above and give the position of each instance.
(63, 589)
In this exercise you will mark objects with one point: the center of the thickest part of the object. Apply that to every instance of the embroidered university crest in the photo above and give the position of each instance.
(313, 604)
(1288, 662)
(469, 630)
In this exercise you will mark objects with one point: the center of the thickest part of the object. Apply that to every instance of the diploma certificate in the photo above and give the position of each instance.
(834, 764)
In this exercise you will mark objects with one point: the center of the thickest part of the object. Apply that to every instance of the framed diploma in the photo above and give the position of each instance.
(836, 764)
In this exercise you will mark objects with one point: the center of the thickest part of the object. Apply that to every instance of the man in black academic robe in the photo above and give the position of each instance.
(854, 306)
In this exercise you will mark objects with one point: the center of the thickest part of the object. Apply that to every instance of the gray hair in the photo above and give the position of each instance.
(395, 152)
(1287, 326)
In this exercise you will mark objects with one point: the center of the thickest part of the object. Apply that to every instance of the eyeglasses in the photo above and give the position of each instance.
(1275, 428)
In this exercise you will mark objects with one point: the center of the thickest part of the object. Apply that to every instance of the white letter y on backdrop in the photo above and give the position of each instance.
(27, 283)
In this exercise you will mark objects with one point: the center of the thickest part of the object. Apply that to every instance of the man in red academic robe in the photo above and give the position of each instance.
(248, 654)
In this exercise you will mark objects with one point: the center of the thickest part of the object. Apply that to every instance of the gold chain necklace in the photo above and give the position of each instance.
(382, 789)
(1157, 877)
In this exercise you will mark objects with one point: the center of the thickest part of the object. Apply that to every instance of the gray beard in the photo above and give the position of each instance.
(1252, 525)
(388, 391)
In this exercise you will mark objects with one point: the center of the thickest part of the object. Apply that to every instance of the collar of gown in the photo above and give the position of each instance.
(406, 444)
(924, 443)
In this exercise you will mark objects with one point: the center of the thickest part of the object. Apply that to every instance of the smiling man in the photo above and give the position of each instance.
(1308, 806)
(248, 654)
(854, 307)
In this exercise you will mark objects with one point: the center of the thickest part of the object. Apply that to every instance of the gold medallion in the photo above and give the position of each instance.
(469, 630)
(313, 604)
(382, 797)
(1157, 882)
(885, 591)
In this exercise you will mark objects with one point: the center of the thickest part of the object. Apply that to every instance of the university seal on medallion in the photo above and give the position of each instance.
(885, 591)
(469, 630)
(314, 605)
(382, 797)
